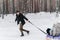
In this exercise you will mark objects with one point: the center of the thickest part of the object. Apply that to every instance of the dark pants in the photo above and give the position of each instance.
(21, 29)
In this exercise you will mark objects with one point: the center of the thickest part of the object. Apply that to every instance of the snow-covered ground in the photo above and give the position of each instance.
(9, 30)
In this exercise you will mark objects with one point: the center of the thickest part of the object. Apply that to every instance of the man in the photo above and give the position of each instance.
(20, 18)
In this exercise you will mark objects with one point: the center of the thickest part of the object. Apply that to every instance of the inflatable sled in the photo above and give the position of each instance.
(49, 37)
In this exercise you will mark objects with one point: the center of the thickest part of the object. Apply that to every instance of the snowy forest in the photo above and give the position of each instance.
(28, 6)
(34, 15)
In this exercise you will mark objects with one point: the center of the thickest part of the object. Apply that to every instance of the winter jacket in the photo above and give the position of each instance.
(20, 18)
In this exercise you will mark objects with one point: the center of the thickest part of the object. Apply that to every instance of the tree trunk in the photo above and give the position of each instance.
(7, 11)
(3, 9)
(13, 6)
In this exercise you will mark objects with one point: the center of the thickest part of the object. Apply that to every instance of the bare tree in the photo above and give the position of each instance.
(45, 5)
(7, 11)
(25, 5)
(0, 10)
(3, 9)
(59, 5)
(50, 7)
(13, 6)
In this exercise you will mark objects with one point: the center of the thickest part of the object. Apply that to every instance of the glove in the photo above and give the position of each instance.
(28, 21)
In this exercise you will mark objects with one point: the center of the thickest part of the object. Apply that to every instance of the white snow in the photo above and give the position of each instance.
(9, 30)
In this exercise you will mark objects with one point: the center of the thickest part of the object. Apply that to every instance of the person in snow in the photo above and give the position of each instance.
(20, 18)
(54, 32)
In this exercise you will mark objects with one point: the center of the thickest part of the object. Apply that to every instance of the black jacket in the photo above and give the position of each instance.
(20, 18)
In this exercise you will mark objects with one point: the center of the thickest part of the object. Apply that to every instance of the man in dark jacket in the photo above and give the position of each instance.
(20, 18)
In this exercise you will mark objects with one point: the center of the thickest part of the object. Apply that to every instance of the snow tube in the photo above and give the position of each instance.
(54, 38)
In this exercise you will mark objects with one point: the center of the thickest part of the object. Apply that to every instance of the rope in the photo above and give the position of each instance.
(38, 28)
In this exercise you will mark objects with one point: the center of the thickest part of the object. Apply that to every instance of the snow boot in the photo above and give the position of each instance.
(22, 34)
(27, 32)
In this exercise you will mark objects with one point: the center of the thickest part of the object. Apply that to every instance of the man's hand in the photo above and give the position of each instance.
(15, 20)
(28, 20)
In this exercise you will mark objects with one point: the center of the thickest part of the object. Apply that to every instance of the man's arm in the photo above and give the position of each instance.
(25, 18)
(16, 18)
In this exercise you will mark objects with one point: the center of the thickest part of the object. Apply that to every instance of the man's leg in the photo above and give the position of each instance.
(26, 31)
(21, 29)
